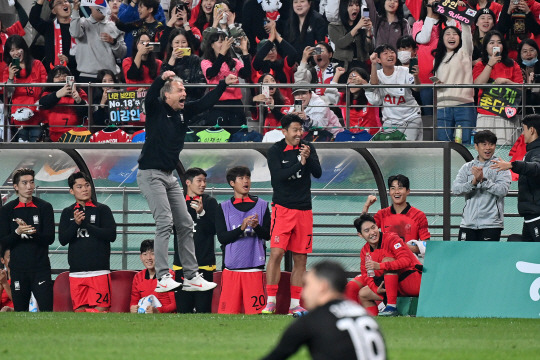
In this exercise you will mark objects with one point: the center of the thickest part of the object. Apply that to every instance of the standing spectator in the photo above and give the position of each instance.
(216, 66)
(99, 43)
(101, 104)
(142, 67)
(352, 35)
(497, 69)
(529, 178)
(400, 109)
(324, 69)
(58, 104)
(186, 66)
(88, 228)
(223, 21)
(362, 114)
(395, 267)
(27, 229)
(145, 281)
(490, 5)
(242, 225)
(453, 65)
(6, 299)
(291, 161)
(202, 208)
(321, 330)
(168, 117)
(16, 29)
(114, 5)
(275, 106)
(530, 67)
(131, 14)
(388, 20)
(28, 71)
(179, 20)
(304, 27)
(484, 21)
(205, 16)
(60, 46)
(484, 189)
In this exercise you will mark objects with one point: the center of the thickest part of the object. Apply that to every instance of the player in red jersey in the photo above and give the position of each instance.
(6, 300)
(396, 269)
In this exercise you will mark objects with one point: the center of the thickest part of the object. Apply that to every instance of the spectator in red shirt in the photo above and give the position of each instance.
(57, 103)
(142, 67)
(27, 71)
(205, 16)
(6, 301)
(274, 107)
(179, 19)
(144, 283)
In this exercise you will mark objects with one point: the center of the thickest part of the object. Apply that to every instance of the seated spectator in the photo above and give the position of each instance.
(275, 56)
(242, 226)
(179, 15)
(389, 261)
(362, 114)
(322, 73)
(496, 69)
(6, 300)
(223, 21)
(99, 43)
(129, 14)
(57, 104)
(145, 281)
(142, 67)
(453, 65)
(22, 68)
(217, 64)
(274, 107)
(315, 112)
(351, 35)
(186, 66)
(519, 20)
(60, 46)
(304, 27)
(400, 110)
(530, 67)
(100, 103)
(484, 21)
(388, 20)
(205, 15)
(88, 227)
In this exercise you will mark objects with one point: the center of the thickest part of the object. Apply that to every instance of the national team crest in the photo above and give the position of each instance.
(93, 219)
(36, 219)
(397, 246)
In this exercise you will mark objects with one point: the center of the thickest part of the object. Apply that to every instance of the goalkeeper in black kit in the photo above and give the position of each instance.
(334, 328)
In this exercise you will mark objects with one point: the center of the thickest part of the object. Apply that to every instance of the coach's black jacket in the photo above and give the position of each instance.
(90, 242)
(529, 181)
(28, 252)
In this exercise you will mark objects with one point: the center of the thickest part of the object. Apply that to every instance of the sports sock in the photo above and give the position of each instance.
(373, 310)
(295, 296)
(271, 292)
(352, 290)
(391, 282)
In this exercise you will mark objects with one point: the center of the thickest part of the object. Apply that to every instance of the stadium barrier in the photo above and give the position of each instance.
(480, 279)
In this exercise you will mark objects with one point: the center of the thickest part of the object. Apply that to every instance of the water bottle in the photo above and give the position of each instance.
(472, 136)
(459, 135)
(298, 314)
(370, 273)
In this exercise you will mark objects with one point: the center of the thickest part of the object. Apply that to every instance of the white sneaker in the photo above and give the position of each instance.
(198, 283)
(166, 284)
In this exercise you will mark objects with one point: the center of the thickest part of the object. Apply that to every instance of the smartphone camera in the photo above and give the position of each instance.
(365, 13)
(496, 51)
(297, 105)
(317, 51)
(181, 6)
(156, 47)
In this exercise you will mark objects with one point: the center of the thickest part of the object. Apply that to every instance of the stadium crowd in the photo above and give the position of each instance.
(297, 42)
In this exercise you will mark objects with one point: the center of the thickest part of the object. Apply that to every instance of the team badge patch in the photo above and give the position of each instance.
(17, 285)
(36, 219)
(93, 219)
(397, 246)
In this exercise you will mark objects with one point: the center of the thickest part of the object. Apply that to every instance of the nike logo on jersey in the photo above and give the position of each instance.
(71, 219)
(41, 282)
(284, 161)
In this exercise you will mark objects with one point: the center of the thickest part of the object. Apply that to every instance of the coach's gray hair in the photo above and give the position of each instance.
(168, 86)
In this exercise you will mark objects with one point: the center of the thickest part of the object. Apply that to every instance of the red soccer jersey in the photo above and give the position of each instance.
(4, 299)
(411, 224)
(108, 136)
(390, 245)
(144, 286)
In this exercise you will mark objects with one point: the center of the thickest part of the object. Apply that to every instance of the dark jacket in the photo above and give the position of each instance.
(189, 70)
(529, 181)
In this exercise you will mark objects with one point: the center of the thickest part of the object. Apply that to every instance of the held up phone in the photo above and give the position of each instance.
(181, 6)
(16, 62)
(185, 51)
(412, 62)
(219, 7)
(265, 91)
(317, 51)
(496, 51)
(434, 79)
(156, 47)
(70, 80)
(297, 105)
(365, 13)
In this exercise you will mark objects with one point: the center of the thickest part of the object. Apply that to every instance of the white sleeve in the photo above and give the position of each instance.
(424, 36)
(332, 10)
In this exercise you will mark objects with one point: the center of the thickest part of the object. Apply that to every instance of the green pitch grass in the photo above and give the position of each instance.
(134, 336)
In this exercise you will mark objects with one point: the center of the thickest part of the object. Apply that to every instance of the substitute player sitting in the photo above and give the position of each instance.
(396, 270)
(89, 229)
(242, 225)
(145, 281)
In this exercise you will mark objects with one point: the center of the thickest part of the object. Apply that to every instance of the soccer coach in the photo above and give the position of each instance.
(167, 120)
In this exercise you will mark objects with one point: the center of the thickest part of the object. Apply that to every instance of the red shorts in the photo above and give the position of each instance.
(410, 286)
(91, 291)
(291, 229)
(239, 290)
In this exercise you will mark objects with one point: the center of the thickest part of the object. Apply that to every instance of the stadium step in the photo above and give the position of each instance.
(407, 306)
